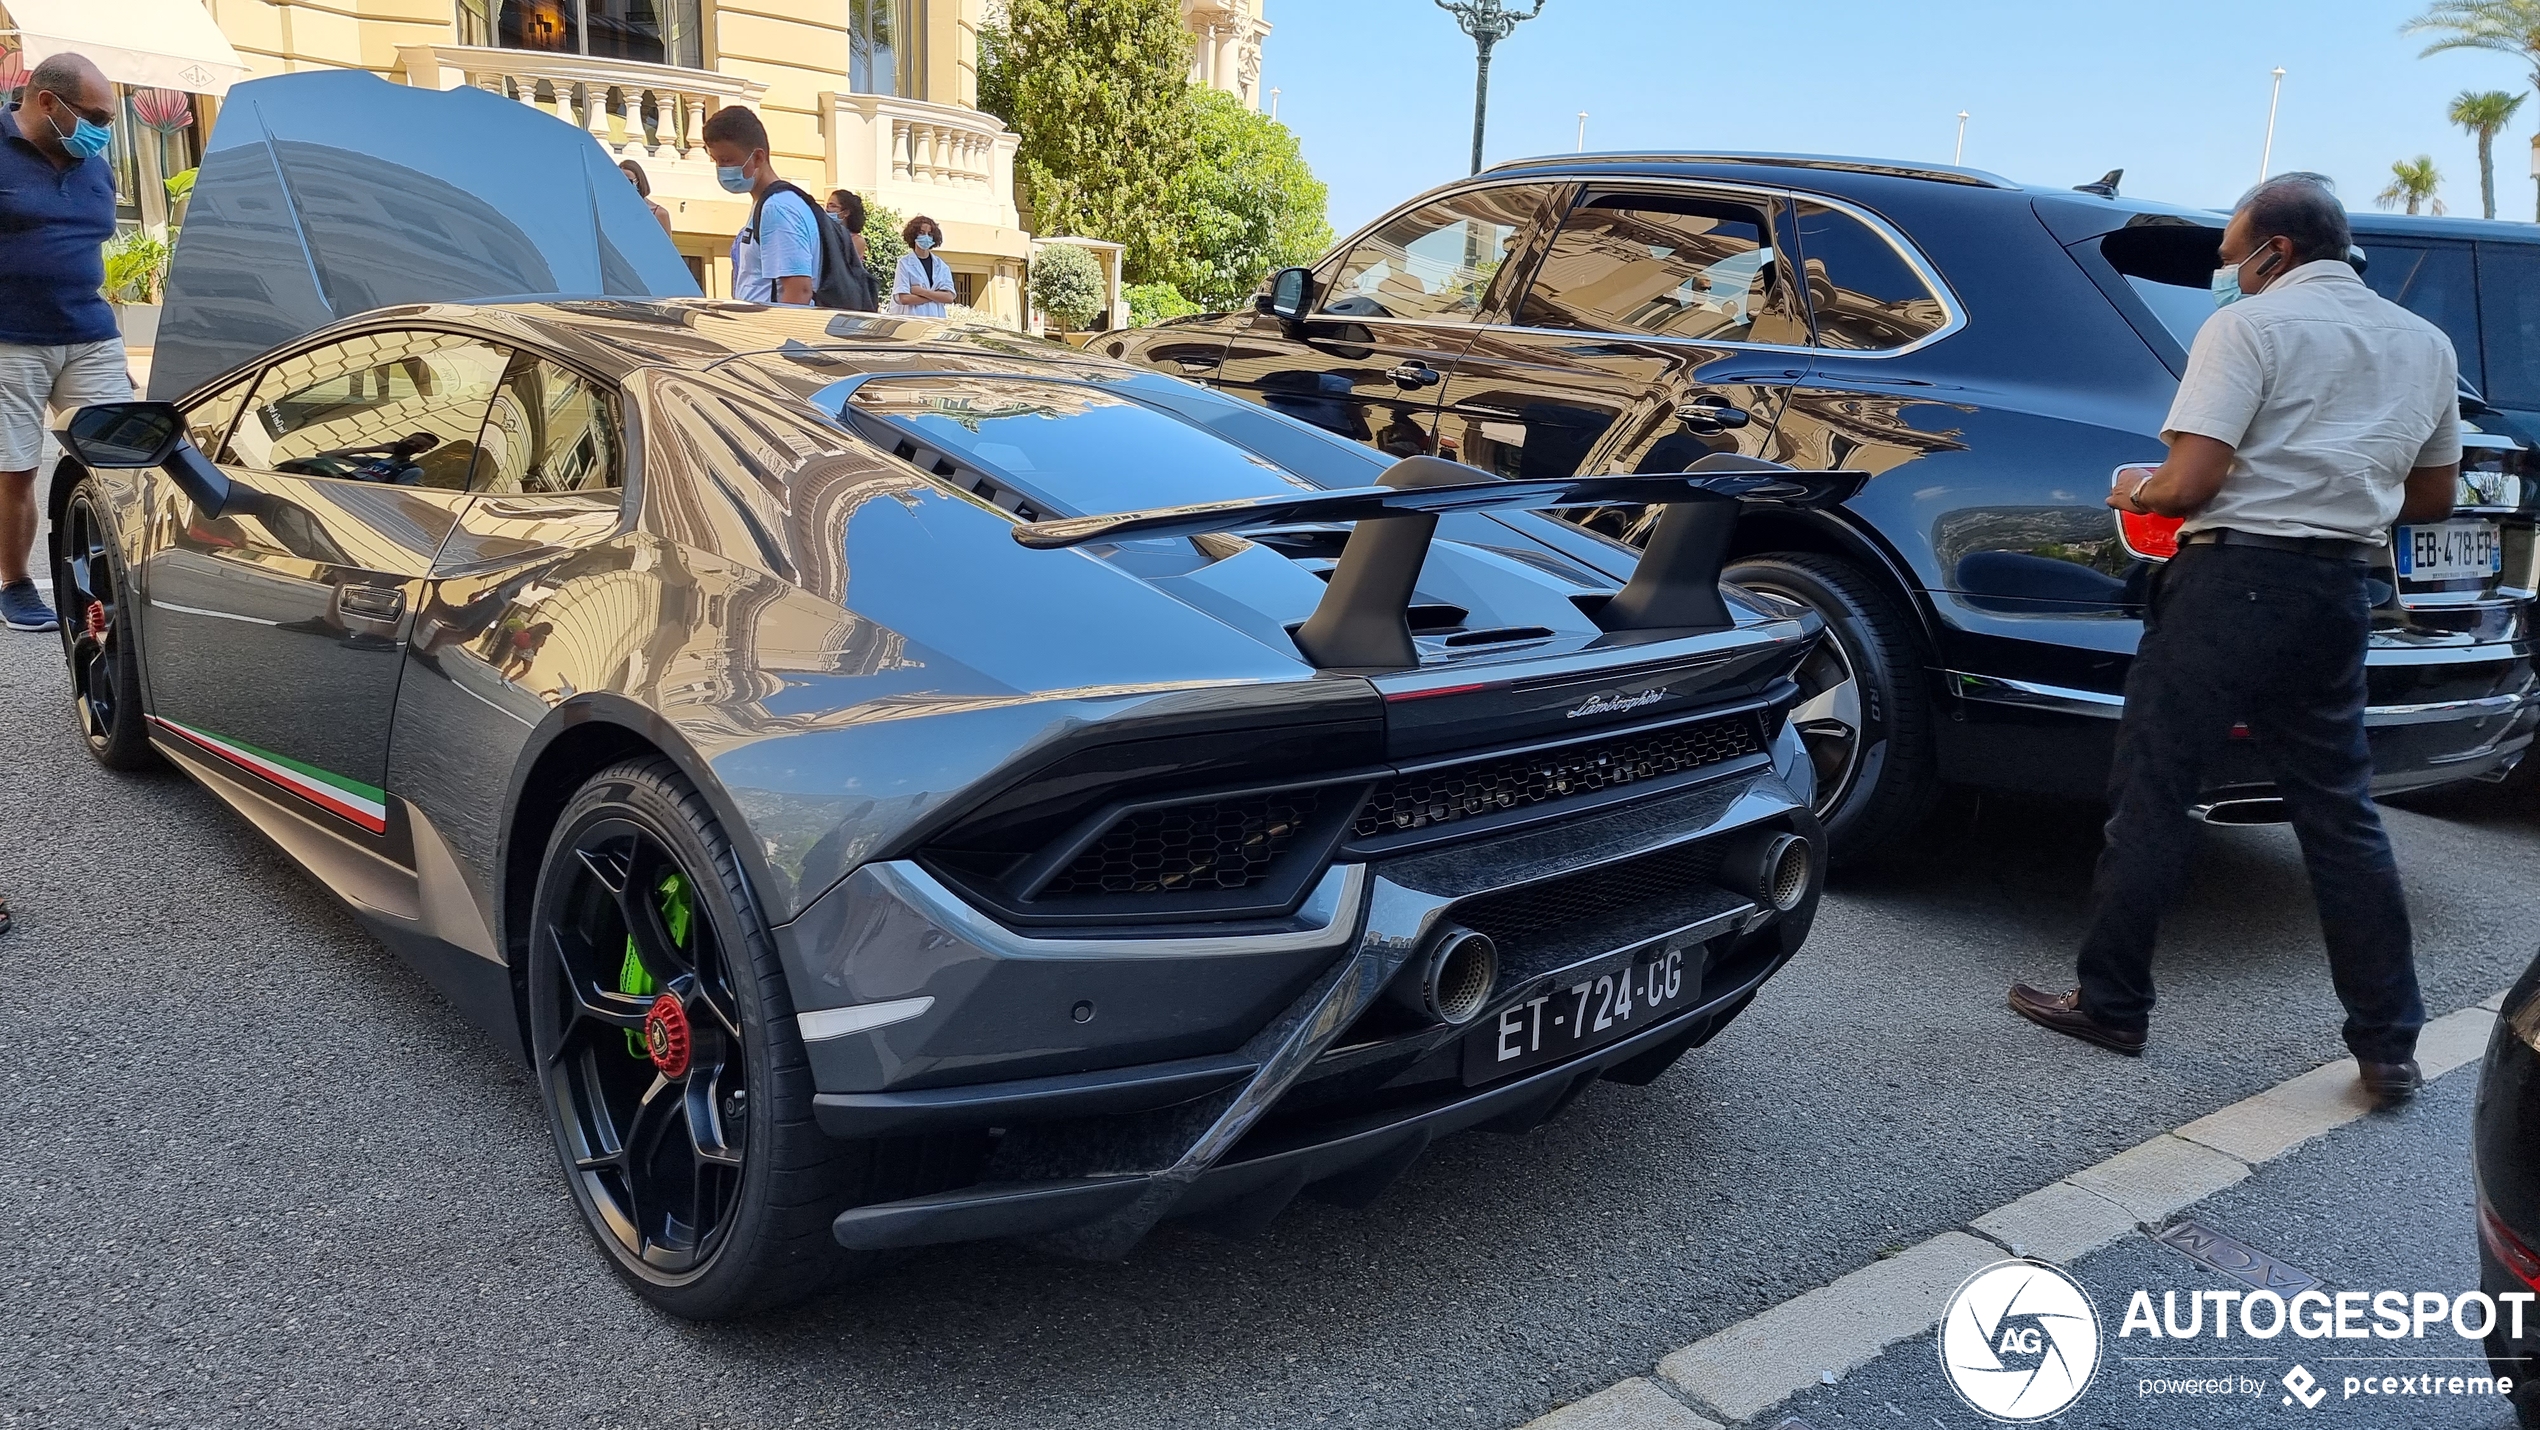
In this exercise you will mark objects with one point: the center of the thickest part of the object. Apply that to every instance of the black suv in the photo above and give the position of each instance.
(1992, 353)
(2479, 281)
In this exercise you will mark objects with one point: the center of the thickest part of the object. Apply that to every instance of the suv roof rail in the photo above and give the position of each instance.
(1939, 173)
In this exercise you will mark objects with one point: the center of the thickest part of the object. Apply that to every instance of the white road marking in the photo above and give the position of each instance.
(1816, 1337)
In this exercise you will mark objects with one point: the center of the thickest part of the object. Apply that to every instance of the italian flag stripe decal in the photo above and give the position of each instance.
(365, 805)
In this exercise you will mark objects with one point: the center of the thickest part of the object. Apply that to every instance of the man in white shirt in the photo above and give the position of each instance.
(776, 258)
(2314, 413)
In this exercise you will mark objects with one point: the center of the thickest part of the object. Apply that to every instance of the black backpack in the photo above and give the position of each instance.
(844, 282)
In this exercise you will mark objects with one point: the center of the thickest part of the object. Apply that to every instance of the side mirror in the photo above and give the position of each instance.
(146, 434)
(1291, 293)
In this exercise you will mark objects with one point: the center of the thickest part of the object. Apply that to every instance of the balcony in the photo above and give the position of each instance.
(954, 164)
(646, 112)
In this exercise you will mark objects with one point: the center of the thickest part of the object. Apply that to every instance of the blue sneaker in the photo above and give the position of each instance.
(21, 609)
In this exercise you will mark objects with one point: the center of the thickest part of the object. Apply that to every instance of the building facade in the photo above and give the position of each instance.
(878, 96)
(1226, 48)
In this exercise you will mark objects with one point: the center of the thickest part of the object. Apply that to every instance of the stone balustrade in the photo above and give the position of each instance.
(635, 110)
(912, 156)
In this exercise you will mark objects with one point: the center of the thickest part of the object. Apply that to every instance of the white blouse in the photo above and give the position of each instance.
(920, 271)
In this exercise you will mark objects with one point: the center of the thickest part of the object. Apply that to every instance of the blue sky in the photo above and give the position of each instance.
(1381, 91)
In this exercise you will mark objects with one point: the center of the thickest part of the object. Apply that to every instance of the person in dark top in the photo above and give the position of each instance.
(644, 189)
(847, 207)
(59, 348)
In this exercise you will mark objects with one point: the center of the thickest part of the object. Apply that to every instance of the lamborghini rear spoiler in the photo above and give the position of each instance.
(1360, 622)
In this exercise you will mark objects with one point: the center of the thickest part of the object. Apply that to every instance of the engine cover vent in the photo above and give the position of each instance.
(1465, 791)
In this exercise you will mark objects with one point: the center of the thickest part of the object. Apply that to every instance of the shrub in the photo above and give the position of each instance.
(1066, 284)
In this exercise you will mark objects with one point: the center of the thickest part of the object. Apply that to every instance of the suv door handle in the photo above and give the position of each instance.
(372, 603)
(1413, 374)
(1711, 414)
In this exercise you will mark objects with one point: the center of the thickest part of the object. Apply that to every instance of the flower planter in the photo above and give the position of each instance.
(139, 323)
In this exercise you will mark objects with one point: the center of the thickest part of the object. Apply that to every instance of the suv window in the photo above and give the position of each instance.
(1669, 265)
(2435, 281)
(400, 407)
(552, 430)
(1863, 293)
(1440, 262)
(2509, 303)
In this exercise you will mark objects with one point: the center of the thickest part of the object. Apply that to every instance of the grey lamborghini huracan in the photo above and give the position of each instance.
(898, 781)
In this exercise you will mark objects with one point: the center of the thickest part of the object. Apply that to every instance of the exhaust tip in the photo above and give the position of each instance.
(2242, 811)
(1453, 979)
(1771, 869)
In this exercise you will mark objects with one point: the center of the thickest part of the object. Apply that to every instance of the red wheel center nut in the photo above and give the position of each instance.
(97, 619)
(666, 1036)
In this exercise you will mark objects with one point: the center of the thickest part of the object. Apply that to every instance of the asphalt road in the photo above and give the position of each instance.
(256, 1173)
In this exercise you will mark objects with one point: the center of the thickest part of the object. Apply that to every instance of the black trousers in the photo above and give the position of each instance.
(2275, 639)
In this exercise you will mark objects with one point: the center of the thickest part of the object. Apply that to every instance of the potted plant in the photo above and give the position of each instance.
(1066, 285)
(137, 270)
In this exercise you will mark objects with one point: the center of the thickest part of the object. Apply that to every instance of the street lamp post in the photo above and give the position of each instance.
(1582, 131)
(1960, 153)
(1274, 102)
(2266, 156)
(1488, 24)
(2535, 176)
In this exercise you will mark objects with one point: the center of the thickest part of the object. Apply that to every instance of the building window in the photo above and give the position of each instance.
(661, 32)
(886, 47)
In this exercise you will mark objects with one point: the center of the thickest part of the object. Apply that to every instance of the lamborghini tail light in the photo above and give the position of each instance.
(2147, 538)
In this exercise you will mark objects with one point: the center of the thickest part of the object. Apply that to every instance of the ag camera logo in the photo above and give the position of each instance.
(2019, 1342)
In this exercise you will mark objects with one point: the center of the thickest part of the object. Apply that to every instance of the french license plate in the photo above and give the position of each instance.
(2450, 551)
(1612, 1000)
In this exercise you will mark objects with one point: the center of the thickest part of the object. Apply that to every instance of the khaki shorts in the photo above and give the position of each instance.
(63, 378)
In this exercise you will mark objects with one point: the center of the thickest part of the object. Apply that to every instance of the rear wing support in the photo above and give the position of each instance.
(1361, 622)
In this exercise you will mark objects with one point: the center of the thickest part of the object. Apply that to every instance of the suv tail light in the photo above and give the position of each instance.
(2509, 1249)
(2146, 538)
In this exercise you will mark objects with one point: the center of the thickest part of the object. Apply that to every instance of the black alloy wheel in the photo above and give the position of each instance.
(674, 1079)
(1863, 715)
(105, 664)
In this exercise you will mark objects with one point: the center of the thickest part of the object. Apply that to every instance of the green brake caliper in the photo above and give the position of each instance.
(633, 978)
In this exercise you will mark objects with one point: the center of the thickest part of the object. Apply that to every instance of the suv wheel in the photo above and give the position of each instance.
(1863, 713)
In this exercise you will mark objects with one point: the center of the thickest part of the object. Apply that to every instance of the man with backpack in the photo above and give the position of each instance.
(792, 252)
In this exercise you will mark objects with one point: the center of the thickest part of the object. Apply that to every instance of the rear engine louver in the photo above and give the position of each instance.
(1215, 844)
(1479, 787)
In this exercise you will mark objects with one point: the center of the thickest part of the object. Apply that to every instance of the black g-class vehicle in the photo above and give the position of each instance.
(1993, 353)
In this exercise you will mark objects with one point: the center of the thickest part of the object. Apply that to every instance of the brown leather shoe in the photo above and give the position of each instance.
(2062, 1012)
(2390, 1083)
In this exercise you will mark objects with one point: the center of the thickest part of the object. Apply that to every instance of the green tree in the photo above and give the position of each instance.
(882, 243)
(1098, 92)
(2412, 182)
(2505, 27)
(2482, 114)
(1155, 302)
(1066, 284)
(1244, 205)
(996, 64)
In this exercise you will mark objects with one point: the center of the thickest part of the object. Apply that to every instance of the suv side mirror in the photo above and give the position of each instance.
(1291, 293)
(146, 434)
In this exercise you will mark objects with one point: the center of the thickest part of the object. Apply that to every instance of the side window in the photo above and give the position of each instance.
(552, 430)
(399, 407)
(2509, 299)
(1669, 265)
(1441, 262)
(1865, 296)
(207, 422)
(2437, 282)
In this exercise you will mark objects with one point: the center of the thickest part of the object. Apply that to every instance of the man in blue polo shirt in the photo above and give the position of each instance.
(58, 344)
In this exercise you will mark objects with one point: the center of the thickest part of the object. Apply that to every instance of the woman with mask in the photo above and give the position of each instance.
(924, 283)
(847, 207)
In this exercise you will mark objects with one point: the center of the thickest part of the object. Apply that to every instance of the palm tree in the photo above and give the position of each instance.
(2507, 27)
(2412, 182)
(2482, 114)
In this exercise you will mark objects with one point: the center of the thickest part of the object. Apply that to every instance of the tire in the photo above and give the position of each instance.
(97, 643)
(1877, 774)
(707, 1110)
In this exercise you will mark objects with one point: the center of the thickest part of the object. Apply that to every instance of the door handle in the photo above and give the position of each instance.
(1711, 414)
(371, 603)
(1413, 375)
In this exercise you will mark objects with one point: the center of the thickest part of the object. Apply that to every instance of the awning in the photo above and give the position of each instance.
(157, 44)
